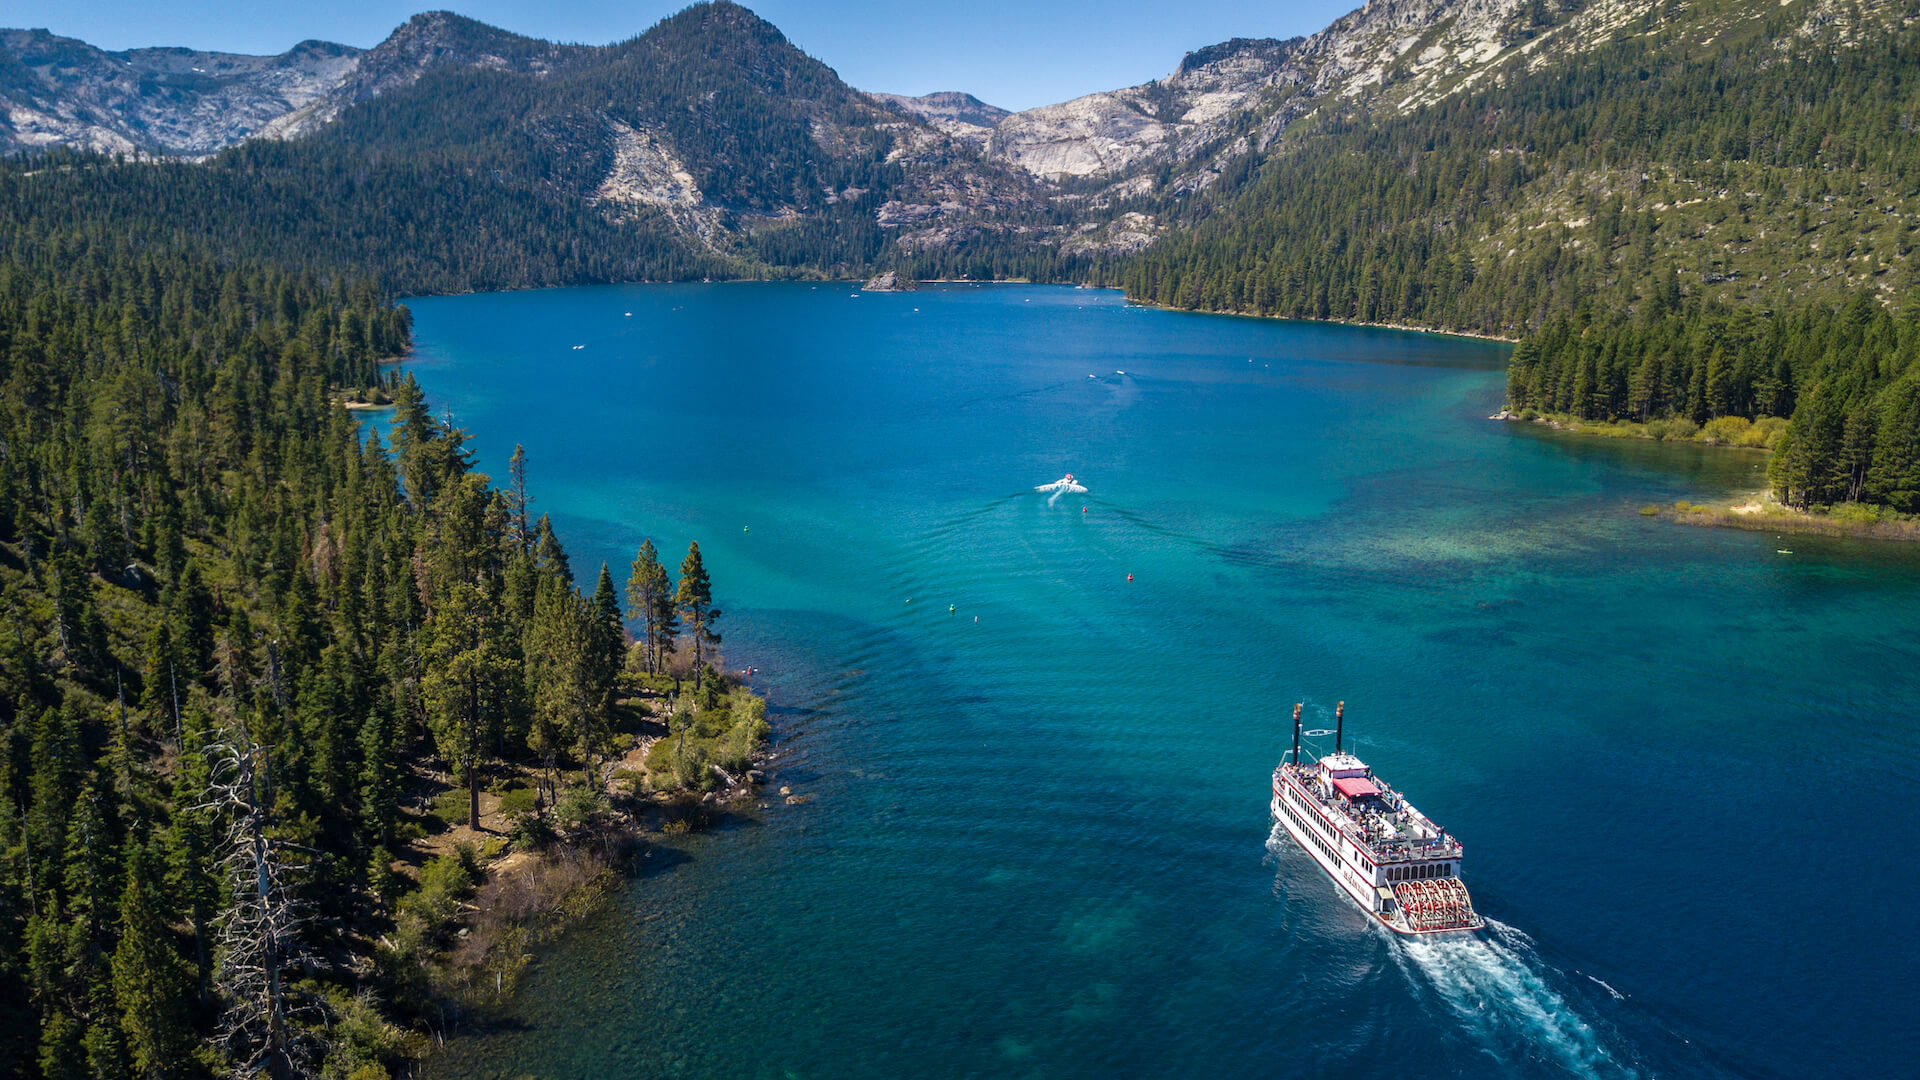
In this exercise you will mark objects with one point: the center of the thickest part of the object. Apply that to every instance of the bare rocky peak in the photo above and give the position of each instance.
(438, 39)
(1391, 54)
(58, 91)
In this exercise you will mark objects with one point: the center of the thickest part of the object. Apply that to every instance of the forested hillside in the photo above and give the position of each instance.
(1751, 153)
(1709, 215)
(237, 636)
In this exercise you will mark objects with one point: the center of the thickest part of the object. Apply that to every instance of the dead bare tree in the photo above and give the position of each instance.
(261, 932)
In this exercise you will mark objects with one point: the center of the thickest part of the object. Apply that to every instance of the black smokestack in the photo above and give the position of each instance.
(1339, 724)
(1296, 733)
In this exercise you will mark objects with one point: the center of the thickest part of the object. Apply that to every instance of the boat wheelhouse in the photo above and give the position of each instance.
(1390, 858)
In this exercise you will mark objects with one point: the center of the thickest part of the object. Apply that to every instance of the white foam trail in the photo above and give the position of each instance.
(1496, 988)
(1056, 497)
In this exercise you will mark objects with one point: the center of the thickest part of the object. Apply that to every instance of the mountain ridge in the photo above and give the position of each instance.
(710, 145)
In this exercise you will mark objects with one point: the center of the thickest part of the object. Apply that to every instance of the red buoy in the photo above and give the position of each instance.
(1129, 577)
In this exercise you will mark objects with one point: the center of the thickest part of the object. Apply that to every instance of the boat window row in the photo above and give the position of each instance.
(1309, 834)
(1424, 870)
(1319, 823)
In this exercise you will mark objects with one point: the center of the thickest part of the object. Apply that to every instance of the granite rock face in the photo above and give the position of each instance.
(57, 91)
(177, 102)
(1108, 133)
(1236, 97)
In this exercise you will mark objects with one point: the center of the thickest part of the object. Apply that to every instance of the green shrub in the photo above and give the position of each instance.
(1765, 432)
(581, 806)
(1650, 511)
(1725, 430)
(450, 807)
(360, 1041)
(444, 882)
(531, 832)
(519, 801)
(1678, 427)
(1529, 414)
(1856, 513)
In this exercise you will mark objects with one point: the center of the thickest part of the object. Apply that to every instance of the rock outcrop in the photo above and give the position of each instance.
(1236, 97)
(889, 281)
(1108, 133)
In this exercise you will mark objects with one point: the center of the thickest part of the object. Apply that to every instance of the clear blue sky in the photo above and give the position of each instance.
(1010, 53)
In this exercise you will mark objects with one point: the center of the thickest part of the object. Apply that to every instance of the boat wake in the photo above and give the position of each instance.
(1502, 993)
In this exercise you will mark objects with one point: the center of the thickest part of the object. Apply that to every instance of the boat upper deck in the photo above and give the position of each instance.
(1368, 811)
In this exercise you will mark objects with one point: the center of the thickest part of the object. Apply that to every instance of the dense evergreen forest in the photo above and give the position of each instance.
(239, 638)
(1761, 166)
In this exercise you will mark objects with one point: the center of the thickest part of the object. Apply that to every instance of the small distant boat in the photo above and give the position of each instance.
(579, 346)
(1119, 373)
(1391, 859)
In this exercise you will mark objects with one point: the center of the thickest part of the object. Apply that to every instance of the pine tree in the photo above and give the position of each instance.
(650, 598)
(465, 684)
(557, 645)
(518, 499)
(607, 644)
(693, 598)
(150, 985)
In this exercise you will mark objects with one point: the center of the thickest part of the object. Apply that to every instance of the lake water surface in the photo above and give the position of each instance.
(1683, 764)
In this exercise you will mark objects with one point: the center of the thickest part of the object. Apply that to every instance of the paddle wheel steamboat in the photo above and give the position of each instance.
(1390, 858)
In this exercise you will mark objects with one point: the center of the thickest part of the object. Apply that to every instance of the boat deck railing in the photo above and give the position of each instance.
(1377, 836)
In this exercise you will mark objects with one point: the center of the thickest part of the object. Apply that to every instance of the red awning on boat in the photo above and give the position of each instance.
(1354, 787)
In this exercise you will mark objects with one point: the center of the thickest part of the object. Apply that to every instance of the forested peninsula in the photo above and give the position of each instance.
(261, 673)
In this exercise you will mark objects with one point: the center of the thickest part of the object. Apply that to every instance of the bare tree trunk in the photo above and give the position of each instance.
(259, 932)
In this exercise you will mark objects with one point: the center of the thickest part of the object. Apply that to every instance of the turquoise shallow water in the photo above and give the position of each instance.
(1040, 844)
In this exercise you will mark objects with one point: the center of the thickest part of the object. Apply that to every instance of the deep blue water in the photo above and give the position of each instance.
(1683, 764)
